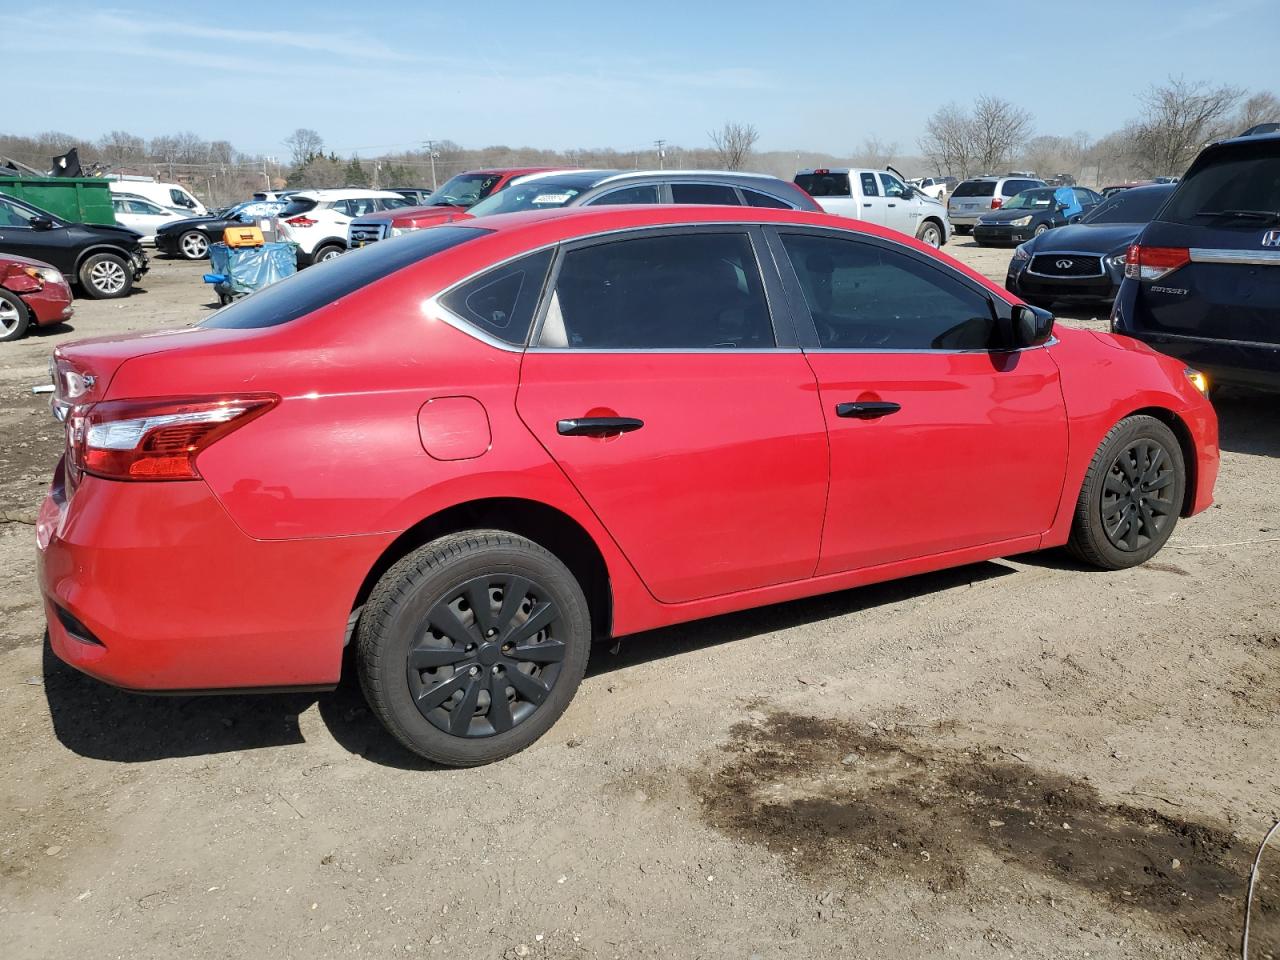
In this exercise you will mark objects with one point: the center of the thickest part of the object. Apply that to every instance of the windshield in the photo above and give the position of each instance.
(542, 193)
(1129, 206)
(464, 190)
(1241, 191)
(1038, 199)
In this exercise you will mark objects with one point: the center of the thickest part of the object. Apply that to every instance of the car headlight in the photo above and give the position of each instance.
(1116, 260)
(398, 231)
(1021, 221)
(1020, 252)
(45, 274)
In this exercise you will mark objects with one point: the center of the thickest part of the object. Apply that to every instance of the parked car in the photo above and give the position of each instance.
(104, 261)
(1030, 214)
(1259, 129)
(31, 294)
(143, 216)
(165, 194)
(317, 220)
(190, 238)
(349, 458)
(454, 197)
(1202, 280)
(1084, 261)
(415, 195)
(978, 195)
(877, 196)
(582, 188)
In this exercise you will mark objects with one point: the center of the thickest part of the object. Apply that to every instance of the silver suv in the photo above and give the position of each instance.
(974, 197)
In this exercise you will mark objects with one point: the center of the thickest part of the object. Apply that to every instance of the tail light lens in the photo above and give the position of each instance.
(997, 203)
(155, 439)
(301, 222)
(1152, 263)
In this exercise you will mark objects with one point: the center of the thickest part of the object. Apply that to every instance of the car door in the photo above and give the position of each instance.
(900, 210)
(677, 403)
(874, 205)
(938, 442)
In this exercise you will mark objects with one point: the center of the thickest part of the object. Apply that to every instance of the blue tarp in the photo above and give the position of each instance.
(242, 270)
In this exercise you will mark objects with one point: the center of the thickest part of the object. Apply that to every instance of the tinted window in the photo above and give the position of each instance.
(823, 184)
(324, 283)
(716, 194)
(641, 193)
(1085, 197)
(694, 291)
(178, 197)
(1249, 182)
(975, 188)
(392, 203)
(869, 188)
(1129, 206)
(502, 302)
(1012, 188)
(755, 198)
(863, 296)
(298, 206)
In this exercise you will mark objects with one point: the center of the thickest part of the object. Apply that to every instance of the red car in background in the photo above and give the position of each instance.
(32, 293)
(457, 195)
(471, 451)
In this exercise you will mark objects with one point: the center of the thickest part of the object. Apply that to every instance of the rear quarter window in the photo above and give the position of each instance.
(502, 301)
(324, 283)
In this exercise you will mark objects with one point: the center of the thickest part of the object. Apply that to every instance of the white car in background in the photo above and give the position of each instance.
(144, 216)
(171, 195)
(317, 220)
(934, 187)
(878, 196)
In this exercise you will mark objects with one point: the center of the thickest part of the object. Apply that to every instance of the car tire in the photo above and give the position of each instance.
(432, 667)
(14, 317)
(327, 252)
(1131, 496)
(193, 245)
(930, 233)
(1040, 231)
(106, 276)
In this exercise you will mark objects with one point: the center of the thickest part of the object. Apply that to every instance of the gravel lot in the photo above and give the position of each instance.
(1018, 758)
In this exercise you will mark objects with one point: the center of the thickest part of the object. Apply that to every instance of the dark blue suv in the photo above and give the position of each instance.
(1202, 281)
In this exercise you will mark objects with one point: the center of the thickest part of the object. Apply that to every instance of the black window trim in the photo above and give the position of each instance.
(435, 304)
(803, 319)
(784, 333)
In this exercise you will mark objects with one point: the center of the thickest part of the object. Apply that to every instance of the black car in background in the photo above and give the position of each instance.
(1202, 281)
(102, 261)
(1029, 214)
(1084, 261)
(190, 238)
(418, 196)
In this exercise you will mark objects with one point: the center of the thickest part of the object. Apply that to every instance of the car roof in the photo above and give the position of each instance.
(347, 193)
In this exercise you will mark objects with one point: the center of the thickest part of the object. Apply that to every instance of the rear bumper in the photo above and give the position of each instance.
(152, 586)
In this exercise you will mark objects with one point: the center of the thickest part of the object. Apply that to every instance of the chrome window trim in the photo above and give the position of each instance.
(1257, 258)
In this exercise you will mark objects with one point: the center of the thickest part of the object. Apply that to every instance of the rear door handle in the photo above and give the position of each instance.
(597, 426)
(866, 409)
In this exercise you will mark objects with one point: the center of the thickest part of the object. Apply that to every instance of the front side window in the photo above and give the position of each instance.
(675, 292)
(864, 296)
(641, 193)
(893, 187)
(502, 301)
(12, 215)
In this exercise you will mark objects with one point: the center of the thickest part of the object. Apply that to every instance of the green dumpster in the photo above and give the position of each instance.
(79, 199)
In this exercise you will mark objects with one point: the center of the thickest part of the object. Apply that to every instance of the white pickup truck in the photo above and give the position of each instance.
(877, 196)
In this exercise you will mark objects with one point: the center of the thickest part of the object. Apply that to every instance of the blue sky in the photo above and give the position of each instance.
(375, 77)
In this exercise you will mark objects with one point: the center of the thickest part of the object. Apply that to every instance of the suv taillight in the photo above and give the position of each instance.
(155, 439)
(997, 203)
(1152, 263)
(301, 222)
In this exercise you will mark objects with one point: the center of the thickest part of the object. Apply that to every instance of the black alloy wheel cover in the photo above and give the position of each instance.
(487, 657)
(1137, 495)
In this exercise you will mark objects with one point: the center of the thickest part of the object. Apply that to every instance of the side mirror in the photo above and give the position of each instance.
(1032, 326)
(40, 223)
(1076, 219)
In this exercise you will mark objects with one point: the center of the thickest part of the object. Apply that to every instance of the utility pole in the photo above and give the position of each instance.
(662, 153)
(432, 154)
(266, 173)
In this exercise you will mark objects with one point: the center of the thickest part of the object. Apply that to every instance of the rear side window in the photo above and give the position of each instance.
(677, 292)
(502, 301)
(755, 198)
(715, 194)
(641, 193)
(823, 184)
(975, 188)
(324, 283)
(1235, 191)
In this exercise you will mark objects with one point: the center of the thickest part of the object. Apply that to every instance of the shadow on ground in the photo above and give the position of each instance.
(1248, 422)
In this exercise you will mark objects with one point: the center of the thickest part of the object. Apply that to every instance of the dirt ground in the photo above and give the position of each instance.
(1012, 759)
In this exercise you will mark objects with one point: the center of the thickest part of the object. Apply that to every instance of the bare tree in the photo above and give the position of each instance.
(1050, 155)
(876, 153)
(948, 142)
(303, 144)
(997, 129)
(1262, 107)
(733, 143)
(119, 149)
(1178, 119)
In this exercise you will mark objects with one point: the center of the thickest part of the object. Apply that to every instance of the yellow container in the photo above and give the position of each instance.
(247, 236)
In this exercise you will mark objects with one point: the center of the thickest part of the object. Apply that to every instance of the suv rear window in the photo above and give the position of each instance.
(823, 184)
(298, 206)
(324, 283)
(1239, 190)
(976, 188)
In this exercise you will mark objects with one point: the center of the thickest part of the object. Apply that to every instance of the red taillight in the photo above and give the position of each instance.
(1152, 263)
(997, 203)
(301, 222)
(155, 439)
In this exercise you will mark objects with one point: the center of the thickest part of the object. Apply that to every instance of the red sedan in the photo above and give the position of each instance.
(472, 449)
(32, 293)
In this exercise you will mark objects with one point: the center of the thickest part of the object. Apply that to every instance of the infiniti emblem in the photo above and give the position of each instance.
(1271, 238)
(1064, 264)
